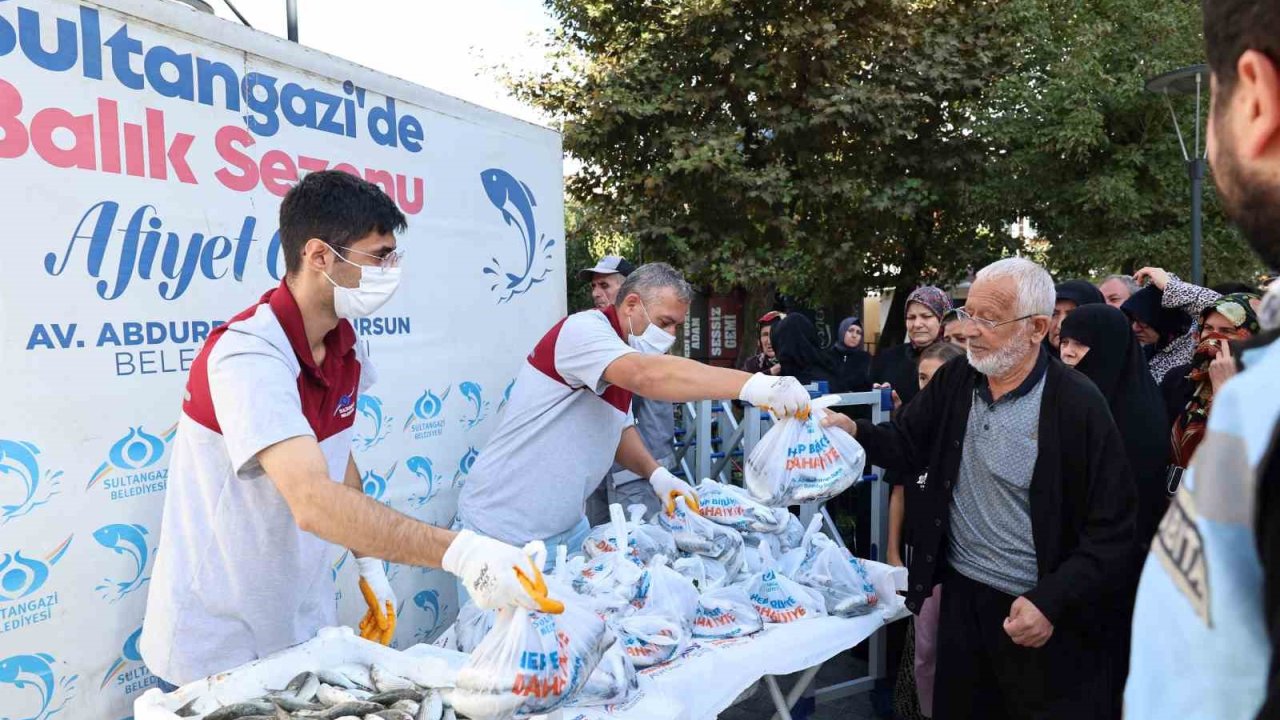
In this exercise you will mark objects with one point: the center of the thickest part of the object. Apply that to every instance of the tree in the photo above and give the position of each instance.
(587, 239)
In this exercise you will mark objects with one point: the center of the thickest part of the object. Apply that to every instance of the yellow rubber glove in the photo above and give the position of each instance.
(379, 623)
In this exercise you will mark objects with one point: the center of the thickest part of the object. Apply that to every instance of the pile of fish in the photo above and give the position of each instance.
(347, 693)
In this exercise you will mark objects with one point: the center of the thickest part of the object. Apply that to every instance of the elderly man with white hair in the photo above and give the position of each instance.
(1026, 515)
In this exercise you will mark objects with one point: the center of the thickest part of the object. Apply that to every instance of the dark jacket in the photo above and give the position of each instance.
(1082, 493)
(898, 367)
(853, 368)
(1176, 390)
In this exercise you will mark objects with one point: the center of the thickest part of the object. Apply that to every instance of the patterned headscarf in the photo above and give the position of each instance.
(933, 298)
(1188, 431)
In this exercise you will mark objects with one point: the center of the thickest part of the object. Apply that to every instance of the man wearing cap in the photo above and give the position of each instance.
(656, 421)
(606, 277)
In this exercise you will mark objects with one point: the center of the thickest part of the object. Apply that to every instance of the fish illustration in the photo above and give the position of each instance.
(370, 406)
(337, 565)
(375, 485)
(35, 671)
(429, 602)
(464, 466)
(128, 654)
(124, 540)
(20, 576)
(421, 467)
(138, 448)
(427, 407)
(506, 394)
(18, 460)
(515, 201)
(472, 392)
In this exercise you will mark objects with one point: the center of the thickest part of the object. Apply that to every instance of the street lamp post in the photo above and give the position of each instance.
(1190, 80)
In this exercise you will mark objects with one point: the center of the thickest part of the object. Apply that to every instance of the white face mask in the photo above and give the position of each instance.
(377, 285)
(653, 341)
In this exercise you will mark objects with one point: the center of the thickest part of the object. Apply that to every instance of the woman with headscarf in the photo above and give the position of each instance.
(897, 365)
(852, 361)
(1231, 317)
(1165, 333)
(1097, 340)
(800, 352)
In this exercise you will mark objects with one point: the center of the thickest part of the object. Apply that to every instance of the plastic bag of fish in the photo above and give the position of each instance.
(734, 507)
(840, 578)
(651, 639)
(697, 535)
(799, 461)
(349, 691)
(643, 540)
(780, 599)
(726, 613)
(532, 662)
(665, 592)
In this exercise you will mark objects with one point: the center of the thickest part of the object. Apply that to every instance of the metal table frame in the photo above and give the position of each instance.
(711, 436)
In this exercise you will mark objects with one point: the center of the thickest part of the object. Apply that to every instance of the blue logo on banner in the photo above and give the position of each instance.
(22, 604)
(130, 541)
(370, 408)
(128, 470)
(425, 421)
(515, 201)
(35, 672)
(18, 464)
(421, 467)
(479, 408)
(429, 602)
(506, 394)
(133, 680)
(375, 485)
(464, 466)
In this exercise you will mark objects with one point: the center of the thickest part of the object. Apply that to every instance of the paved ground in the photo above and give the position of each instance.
(838, 669)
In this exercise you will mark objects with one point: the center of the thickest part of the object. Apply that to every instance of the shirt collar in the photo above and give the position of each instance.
(337, 342)
(1028, 384)
(611, 312)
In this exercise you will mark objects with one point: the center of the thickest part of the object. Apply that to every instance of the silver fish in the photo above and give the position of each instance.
(329, 696)
(408, 706)
(188, 710)
(389, 715)
(391, 697)
(310, 685)
(291, 702)
(297, 682)
(243, 709)
(450, 714)
(432, 707)
(386, 681)
(339, 679)
(359, 709)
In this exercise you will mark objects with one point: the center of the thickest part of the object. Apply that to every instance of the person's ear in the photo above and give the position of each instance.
(1040, 327)
(1256, 104)
(316, 255)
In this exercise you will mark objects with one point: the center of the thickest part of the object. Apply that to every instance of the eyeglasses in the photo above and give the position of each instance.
(386, 262)
(963, 316)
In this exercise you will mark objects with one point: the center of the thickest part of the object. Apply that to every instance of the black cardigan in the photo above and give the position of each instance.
(1083, 500)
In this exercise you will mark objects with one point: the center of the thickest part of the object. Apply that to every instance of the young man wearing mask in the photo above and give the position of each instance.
(568, 421)
(1208, 611)
(262, 483)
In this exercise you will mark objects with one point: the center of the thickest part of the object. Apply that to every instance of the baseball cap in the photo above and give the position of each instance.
(608, 265)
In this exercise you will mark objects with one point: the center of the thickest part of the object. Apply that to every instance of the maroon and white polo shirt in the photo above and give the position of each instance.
(557, 436)
(235, 579)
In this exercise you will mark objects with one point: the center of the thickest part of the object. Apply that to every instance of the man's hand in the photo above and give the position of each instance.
(1223, 367)
(1026, 625)
(379, 623)
(837, 420)
(1158, 277)
(498, 575)
(668, 487)
(782, 395)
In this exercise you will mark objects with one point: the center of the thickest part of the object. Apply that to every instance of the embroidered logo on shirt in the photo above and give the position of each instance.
(1180, 548)
(346, 405)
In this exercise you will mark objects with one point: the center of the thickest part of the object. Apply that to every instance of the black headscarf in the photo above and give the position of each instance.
(800, 352)
(1144, 306)
(1080, 292)
(1116, 365)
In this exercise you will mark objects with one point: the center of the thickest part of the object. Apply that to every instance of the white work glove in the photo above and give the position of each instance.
(379, 623)
(782, 396)
(498, 575)
(668, 487)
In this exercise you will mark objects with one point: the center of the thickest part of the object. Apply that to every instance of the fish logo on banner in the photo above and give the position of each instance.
(378, 425)
(130, 680)
(38, 692)
(421, 467)
(375, 485)
(334, 570)
(515, 201)
(506, 394)
(429, 602)
(22, 604)
(464, 466)
(131, 542)
(129, 468)
(20, 469)
(424, 421)
(479, 407)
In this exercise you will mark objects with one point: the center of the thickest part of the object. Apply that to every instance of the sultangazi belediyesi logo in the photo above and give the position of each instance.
(425, 419)
(346, 405)
(133, 465)
(26, 596)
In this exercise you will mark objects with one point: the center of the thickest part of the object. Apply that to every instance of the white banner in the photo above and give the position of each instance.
(142, 162)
